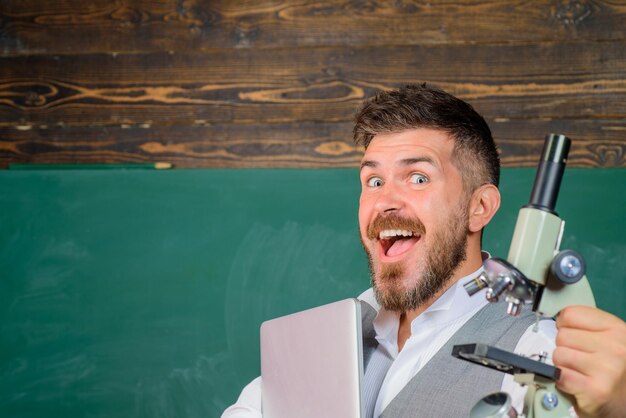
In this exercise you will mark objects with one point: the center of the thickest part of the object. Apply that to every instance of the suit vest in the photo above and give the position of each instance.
(446, 386)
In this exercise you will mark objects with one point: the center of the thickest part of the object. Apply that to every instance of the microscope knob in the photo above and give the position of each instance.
(568, 266)
(495, 405)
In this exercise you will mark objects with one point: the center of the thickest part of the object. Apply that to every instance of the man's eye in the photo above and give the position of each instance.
(418, 179)
(375, 182)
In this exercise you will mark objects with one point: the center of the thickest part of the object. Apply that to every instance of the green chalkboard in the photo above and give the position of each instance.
(140, 293)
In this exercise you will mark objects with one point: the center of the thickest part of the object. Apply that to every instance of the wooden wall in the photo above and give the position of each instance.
(274, 83)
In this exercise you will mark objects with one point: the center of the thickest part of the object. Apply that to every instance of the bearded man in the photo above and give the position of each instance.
(429, 185)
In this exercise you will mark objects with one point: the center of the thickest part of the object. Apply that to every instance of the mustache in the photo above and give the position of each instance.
(381, 223)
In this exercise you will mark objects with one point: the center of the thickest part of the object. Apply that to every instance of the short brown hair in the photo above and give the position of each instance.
(419, 106)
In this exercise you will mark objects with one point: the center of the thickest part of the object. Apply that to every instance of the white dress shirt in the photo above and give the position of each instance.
(429, 332)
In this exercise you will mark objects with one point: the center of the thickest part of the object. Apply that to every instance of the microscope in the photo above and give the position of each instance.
(538, 275)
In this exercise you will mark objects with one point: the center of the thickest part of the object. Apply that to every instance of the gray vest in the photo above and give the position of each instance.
(447, 386)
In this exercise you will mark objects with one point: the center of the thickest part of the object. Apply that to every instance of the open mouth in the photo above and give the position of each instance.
(395, 242)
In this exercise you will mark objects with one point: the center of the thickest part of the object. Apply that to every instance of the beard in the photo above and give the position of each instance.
(445, 253)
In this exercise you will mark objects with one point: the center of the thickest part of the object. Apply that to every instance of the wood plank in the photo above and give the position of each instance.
(566, 80)
(597, 143)
(66, 27)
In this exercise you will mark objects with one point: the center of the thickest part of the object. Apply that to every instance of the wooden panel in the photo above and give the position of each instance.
(224, 145)
(241, 83)
(63, 26)
(595, 143)
(322, 84)
(598, 143)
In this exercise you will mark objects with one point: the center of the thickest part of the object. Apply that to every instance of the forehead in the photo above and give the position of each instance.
(393, 147)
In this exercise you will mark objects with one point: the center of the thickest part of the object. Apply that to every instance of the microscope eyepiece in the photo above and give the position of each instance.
(550, 172)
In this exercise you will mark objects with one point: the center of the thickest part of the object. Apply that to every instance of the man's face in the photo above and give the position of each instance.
(412, 216)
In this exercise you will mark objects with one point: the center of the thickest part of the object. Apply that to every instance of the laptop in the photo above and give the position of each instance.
(312, 363)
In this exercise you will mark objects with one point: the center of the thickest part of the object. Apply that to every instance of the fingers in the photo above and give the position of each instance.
(582, 340)
(578, 361)
(585, 317)
(594, 389)
(588, 402)
(607, 365)
(591, 330)
(571, 381)
(591, 353)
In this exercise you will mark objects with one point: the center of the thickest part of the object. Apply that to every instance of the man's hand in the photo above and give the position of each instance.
(591, 353)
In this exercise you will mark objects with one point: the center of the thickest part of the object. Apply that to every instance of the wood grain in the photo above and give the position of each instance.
(597, 143)
(275, 83)
(32, 27)
(564, 80)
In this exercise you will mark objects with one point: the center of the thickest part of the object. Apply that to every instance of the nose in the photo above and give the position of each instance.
(389, 199)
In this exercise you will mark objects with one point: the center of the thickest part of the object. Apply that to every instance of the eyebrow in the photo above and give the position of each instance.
(425, 159)
(368, 163)
(404, 162)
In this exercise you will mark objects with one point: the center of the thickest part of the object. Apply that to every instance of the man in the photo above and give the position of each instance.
(429, 179)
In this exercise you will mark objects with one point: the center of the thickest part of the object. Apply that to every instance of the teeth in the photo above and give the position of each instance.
(388, 233)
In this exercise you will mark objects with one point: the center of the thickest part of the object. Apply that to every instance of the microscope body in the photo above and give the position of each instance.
(535, 274)
(535, 244)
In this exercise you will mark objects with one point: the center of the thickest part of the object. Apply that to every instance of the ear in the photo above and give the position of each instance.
(484, 204)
